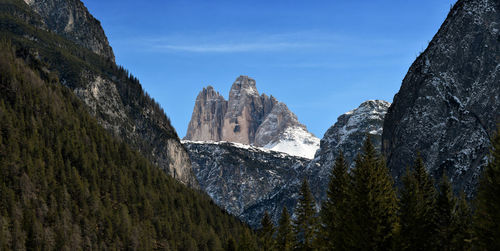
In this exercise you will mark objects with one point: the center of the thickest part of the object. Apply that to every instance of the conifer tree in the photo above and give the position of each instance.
(246, 242)
(266, 233)
(285, 238)
(231, 244)
(417, 217)
(487, 215)
(445, 205)
(462, 225)
(305, 226)
(374, 202)
(408, 212)
(334, 210)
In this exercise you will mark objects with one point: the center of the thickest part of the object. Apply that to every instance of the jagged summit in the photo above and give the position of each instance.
(208, 116)
(244, 85)
(249, 118)
(351, 128)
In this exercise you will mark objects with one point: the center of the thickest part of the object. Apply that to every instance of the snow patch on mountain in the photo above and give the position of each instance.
(296, 141)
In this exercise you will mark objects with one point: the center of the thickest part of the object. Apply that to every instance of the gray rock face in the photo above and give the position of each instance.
(245, 112)
(207, 119)
(275, 123)
(72, 20)
(238, 176)
(346, 135)
(248, 118)
(449, 101)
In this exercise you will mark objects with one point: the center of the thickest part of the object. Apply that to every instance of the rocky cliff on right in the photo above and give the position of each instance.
(449, 103)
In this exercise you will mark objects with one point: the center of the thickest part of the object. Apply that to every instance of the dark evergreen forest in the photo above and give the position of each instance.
(65, 183)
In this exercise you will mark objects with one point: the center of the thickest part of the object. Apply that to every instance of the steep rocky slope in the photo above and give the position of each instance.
(449, 101)
(347, 135)
(249, 118)
(238, 176)
(72, 20)
(84, 62)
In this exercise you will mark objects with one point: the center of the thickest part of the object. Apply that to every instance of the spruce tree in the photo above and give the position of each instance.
(374, 202)
(334, 210)
(417, 217)
(304, 226)
(408, 212)
(487, 215)
(246, 242)
(462, 225)
(266, 233)
(231, 244)
(285, 238)
(445, 205)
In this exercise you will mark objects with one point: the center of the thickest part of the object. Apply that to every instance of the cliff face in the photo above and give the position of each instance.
(249, 118)
(245, 112)
(208, 116)
(449, 101)
(72, 20)
(71, 42)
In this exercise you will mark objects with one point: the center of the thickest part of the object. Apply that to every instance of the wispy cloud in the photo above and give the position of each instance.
(233, 47)
(319, 42)
(237, 42)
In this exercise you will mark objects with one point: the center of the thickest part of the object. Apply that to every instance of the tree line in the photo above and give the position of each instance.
(364, 211)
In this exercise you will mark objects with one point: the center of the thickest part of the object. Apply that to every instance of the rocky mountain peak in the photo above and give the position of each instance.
(208, 116)
(250, 119)
(347, 135)
(243, 85)
(71, 20)
(209, 93)
(350, 130)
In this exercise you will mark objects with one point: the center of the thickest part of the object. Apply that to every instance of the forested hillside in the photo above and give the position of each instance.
(111, 94)
(65, 183)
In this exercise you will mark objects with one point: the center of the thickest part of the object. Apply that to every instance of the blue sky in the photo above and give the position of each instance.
(321, 58)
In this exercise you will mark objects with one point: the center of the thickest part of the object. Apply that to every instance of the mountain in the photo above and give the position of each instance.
(72, 43)
(249, 118)
(67, 184)
(72, 20)
(346, 135)
(449, 102)
(248, 180)
(238, 176)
